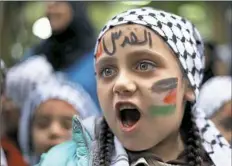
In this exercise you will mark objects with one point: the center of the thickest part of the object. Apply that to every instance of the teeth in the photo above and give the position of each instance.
(127, 106)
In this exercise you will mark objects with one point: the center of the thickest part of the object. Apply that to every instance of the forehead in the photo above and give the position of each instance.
(126, 29)
(134, 34)
(55, 106)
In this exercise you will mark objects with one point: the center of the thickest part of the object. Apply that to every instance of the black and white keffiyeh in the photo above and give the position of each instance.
(185, 41)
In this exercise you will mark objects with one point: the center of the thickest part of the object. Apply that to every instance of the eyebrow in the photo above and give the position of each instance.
(66, 118)
(105, 60)
(39, 117)
(146, 52)
(134, 54)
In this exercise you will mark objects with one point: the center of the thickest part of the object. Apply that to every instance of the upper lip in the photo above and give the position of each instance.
(119, 103)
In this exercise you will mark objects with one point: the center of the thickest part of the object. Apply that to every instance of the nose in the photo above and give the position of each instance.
(55, 132)
(124, 85)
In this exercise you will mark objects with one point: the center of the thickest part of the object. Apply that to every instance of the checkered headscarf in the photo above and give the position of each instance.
(185, 41)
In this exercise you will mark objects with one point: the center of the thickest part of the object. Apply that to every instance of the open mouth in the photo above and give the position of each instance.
(129, 115)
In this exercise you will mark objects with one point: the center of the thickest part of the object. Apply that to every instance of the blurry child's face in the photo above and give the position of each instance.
(51, 125)
(223, 119)
(59, 15)
(140, 86)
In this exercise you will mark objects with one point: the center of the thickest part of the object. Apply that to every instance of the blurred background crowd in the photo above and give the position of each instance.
(46, 51)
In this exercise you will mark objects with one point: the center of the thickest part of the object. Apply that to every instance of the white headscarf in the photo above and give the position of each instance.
(21, 78)
(53, 88)
(214, 93)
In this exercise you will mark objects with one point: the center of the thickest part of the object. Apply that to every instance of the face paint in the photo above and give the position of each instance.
(164, 85)
(99, 50)
(131, 39)
(114, 36)
(170, 99)
(162, 110)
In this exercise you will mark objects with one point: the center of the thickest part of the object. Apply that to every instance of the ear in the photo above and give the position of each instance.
(189, 94)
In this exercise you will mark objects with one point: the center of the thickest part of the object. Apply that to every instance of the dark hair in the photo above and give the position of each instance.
(106, 145)
(192, 137)
(190, 133)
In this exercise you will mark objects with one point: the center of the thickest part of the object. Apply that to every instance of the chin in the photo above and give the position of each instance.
(137, 145)
(137, 148)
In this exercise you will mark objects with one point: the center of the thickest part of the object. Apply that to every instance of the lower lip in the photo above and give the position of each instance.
(128, 129)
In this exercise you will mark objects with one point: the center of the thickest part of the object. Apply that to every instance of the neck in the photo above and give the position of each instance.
(170, 148)
(66, 35)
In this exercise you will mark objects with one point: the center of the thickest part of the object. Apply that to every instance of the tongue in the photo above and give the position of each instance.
(129, 117)
(128, 123)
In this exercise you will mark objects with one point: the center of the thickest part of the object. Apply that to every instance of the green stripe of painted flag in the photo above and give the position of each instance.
(162, 110)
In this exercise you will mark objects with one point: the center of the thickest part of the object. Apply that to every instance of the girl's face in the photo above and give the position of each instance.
(141, 88)
(51, 125)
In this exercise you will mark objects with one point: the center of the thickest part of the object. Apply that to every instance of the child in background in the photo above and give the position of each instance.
(215, 101)
(46, 118)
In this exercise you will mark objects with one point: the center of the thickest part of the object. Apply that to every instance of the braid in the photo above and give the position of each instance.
(106, 146)
(193, 139)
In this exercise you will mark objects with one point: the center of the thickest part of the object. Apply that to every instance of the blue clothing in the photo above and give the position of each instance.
(82, 72)
(81, 150)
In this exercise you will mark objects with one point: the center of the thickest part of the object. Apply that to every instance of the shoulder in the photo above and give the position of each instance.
(82, 71)
(59, 155)
(85, 128)
(85, 62)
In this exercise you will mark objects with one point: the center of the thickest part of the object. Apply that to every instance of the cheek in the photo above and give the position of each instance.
(67, 134)
(180, 101)
(171, 97)
(67, 17)
(38, 138)
(167, 104)
(104, 93)
(164, 125)
(106, 102)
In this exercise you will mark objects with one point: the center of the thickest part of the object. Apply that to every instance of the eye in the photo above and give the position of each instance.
(67, 124)
(108, 72)
(145, 66)
(42, 123)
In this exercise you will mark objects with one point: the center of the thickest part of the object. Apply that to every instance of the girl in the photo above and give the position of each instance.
(149, 66)
(46, 118)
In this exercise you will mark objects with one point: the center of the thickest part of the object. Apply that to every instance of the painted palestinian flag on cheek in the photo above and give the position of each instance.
(169, 100)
